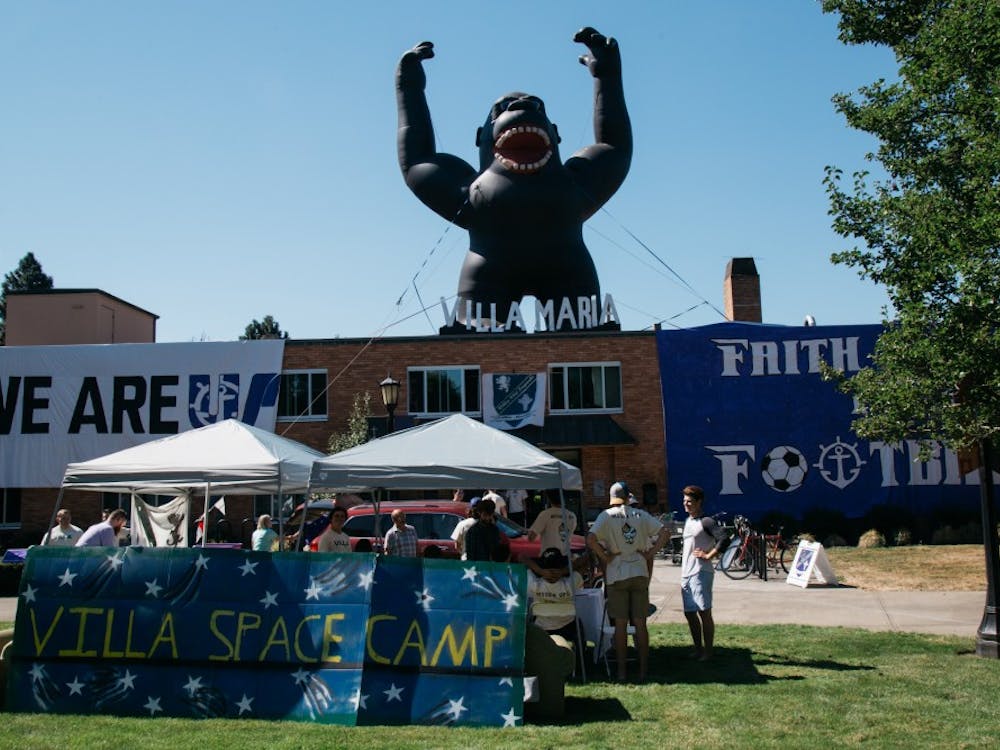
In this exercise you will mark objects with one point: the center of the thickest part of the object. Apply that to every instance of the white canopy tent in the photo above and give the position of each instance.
(227, 456)
(454, 451)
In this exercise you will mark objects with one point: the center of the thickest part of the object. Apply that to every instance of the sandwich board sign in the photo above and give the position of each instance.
(811, 562)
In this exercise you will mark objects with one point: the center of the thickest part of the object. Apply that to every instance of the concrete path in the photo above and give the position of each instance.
(753, 601)
(756, 602)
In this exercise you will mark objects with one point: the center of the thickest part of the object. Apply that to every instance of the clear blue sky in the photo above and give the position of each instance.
(215, 162)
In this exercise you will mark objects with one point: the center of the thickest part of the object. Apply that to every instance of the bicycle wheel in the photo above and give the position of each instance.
(788, 554)
(737, 562)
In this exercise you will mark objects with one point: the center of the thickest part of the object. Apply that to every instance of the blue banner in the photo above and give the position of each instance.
(749, 417)
(340, 639)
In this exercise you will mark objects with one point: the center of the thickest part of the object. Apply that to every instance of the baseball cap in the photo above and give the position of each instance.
(619, 493)
(632, 499)
(552, 558)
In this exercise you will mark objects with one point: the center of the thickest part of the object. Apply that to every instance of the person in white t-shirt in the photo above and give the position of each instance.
(334, 539)
(64, 533)
(498, 502)
(515, 506)
(625, 541)
(554, 525)
(458, 533)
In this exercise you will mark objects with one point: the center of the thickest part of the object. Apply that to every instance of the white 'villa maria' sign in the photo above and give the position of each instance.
(577, 314)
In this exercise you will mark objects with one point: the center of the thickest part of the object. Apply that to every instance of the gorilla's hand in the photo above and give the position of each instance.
(604, 58)
(411, 72)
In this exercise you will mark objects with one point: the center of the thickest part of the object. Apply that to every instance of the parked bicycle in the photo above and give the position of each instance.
(750, 550)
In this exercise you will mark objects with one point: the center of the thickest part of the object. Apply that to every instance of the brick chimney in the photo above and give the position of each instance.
(741, 291)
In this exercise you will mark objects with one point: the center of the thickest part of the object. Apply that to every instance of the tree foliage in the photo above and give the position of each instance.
(929, 224)
(27, 277)
(268, 328)
(357, 425)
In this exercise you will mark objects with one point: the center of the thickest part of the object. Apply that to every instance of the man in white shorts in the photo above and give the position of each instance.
(704, 540)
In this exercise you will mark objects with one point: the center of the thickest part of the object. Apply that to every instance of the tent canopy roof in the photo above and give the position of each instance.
(451, 452)
(230, 455)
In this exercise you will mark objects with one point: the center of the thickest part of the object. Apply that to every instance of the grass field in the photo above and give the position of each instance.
(768, 686)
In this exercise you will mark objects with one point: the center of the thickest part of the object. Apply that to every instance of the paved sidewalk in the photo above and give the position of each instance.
(756, 602)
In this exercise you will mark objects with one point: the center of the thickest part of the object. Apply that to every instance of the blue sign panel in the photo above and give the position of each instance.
(749, 417)
(336, 639)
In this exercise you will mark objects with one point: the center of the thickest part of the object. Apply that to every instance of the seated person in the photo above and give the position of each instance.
(551, 590)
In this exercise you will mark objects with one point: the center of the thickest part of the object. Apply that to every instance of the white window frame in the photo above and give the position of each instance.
(477, 412)
(565, 382)
(308, 417)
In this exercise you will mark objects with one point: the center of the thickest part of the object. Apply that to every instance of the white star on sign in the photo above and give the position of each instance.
(455, 708)
(75, 687)
(152, 705)
(29, 593)
(269, 599)
(116, 561)
(301, 676)
(510, 719)
(244, 704)
(507, 681)
(201, 563)
(470, 574)
(153, 589)
(128, 681)
(193, 685)
(393, 694)
(66, 579)
(424, 599)
(37, 671)
(313, 591)
(360, 701)
(509, 602)
(365, 579)
(248, 568)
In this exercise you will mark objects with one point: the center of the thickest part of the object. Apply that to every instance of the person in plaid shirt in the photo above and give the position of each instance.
(401, 539)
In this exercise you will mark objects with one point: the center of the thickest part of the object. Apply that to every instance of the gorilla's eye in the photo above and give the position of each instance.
(500, 107)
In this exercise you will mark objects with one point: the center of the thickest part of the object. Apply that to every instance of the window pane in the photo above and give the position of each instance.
(593, 387)
(557, 397)
(359, 526)
(317, 386)
(416, 392)
(573, 387)
(612, 387)
(472, 402)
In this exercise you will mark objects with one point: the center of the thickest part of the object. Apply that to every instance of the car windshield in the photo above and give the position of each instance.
(511, 529)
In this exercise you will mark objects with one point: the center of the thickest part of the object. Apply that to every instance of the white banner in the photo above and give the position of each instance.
(512, 400)
(61, 404)
(160, 526)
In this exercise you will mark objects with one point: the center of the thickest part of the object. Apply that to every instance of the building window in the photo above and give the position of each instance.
(443, 390)
(590, 387)
(10, 508)
(302, 395)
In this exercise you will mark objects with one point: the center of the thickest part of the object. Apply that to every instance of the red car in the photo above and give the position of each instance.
(434, 521)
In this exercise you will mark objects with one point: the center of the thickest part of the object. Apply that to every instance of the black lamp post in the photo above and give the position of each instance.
(986, 635)
(390, 397)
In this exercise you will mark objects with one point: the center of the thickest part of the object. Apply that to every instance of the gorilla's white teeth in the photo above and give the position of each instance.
(523, 129)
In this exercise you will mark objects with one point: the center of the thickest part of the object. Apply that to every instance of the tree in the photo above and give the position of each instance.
(930, 224)
(263, 329)
(27, 277)
(357, 425)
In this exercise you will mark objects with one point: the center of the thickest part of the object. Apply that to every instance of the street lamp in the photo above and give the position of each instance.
(390, 397)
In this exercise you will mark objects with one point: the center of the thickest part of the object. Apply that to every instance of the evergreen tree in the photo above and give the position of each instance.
(263, 329)
(27, 277)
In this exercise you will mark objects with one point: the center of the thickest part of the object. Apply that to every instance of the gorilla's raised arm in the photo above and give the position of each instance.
(439, 180)
(603, 166)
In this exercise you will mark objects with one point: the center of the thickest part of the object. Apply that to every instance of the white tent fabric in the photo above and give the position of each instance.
(231, 456)
(451, 452)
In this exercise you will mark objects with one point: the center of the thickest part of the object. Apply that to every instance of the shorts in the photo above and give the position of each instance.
(628, 599)
(696, 590)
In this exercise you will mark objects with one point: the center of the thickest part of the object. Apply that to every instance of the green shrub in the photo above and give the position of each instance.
(835, 540)
(903, 538)
(871, 538)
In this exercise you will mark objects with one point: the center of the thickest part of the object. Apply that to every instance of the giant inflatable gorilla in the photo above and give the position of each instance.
(524, 208)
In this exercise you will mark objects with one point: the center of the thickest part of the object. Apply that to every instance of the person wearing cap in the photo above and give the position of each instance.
(625, 541)
(458, 533)
(704, 541)
(551, 590)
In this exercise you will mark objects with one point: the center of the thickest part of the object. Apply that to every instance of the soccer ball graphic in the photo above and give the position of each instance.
(784, 468)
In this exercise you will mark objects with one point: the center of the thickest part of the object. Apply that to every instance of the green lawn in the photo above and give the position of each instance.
(769, 685)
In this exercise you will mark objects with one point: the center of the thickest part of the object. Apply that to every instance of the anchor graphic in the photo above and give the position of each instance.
(840, 452)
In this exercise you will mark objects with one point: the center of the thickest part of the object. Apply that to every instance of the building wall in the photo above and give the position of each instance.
(75, 317)
(357, 366)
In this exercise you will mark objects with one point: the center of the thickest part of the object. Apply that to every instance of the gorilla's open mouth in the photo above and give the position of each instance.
(524, 149)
